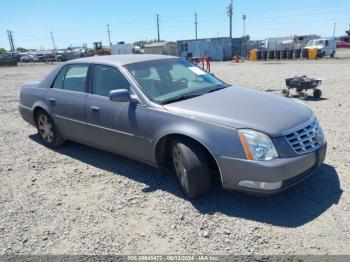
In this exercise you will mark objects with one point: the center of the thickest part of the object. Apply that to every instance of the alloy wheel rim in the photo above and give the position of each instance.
(45, 128)
(180, 169)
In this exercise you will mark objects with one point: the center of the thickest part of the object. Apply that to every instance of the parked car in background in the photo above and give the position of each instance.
(343, 44)
(49, 58)
(29, 58)
(169, 113)
(40, 57)
(325, 47)
(64, 56)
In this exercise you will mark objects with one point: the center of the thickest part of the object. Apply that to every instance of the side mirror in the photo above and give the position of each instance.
(123, 95)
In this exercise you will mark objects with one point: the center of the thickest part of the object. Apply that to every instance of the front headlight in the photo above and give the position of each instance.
(257, 146)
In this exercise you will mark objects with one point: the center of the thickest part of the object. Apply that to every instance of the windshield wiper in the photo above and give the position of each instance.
(180, 98)
(188, 96)
(217, 89)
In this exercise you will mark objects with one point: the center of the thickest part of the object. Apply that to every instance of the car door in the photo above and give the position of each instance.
(67, 98)
(118, 127)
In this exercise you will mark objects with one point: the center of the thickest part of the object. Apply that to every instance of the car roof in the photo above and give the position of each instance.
(119, 60)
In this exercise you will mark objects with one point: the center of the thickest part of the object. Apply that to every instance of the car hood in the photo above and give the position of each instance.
(240, 107)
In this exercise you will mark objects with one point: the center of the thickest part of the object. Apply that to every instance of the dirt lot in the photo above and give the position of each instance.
(79, 200)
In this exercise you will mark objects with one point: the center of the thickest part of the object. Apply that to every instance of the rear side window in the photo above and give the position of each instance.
(75, 79)
(58, 84)
(107, 78)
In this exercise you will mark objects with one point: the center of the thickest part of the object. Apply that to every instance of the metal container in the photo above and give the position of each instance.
(278, 54)
(284, 54)
(290, 54)
(258, 55)
(297, 53)
(305, 53)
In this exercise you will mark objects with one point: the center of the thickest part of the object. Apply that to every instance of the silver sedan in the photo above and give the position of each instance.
(169, 113)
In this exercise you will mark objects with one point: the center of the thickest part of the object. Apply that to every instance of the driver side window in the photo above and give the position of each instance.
(107, 78)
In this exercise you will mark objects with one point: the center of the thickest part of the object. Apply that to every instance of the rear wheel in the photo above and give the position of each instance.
(321, 55)
(191, 167)
(317, 93)
(48, 130)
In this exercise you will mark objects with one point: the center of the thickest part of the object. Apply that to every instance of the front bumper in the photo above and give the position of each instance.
(288, 171)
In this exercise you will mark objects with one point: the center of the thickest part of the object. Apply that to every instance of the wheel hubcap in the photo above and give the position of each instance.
(45, 128)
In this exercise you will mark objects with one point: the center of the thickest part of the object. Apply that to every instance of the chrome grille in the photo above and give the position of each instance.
(306, 139)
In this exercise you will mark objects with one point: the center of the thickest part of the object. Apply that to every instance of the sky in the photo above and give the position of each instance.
(74, 22)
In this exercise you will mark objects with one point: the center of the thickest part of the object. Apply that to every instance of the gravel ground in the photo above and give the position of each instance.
(79, 200)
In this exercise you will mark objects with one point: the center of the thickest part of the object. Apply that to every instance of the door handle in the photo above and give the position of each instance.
(52, 100)
(95, 108)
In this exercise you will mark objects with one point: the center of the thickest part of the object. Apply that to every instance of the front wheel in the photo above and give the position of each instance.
(191, 167)
(48, 130)
(285, 92)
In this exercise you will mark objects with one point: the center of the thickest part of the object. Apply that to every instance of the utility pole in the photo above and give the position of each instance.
(158, 27)
(229, 10)
(244, 18)
(53, 41)
(9, 34)
(335, 26)
(196, 24)
(109, 35)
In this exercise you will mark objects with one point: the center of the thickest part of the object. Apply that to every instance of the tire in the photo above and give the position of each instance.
(285, 92)
(191, 166)
(333, 54)
(303, 95)
(48, 130)
(317, 93)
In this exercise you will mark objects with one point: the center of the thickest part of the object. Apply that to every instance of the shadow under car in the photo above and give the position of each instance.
(291, 208)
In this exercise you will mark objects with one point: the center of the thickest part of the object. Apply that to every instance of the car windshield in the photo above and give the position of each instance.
(170, 80)
(315, 43)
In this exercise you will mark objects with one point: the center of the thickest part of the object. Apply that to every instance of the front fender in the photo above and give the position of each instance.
(219, 140)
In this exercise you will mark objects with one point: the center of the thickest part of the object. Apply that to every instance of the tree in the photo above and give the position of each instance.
(348, 32)
(2, 50)
(21, 49)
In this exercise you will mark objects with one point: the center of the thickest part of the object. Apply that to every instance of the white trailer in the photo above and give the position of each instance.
(122, 49)
(288, 42)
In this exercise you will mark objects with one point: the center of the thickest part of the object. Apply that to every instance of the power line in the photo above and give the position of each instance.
(158, 27)
(109, 35)
(53, 41)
